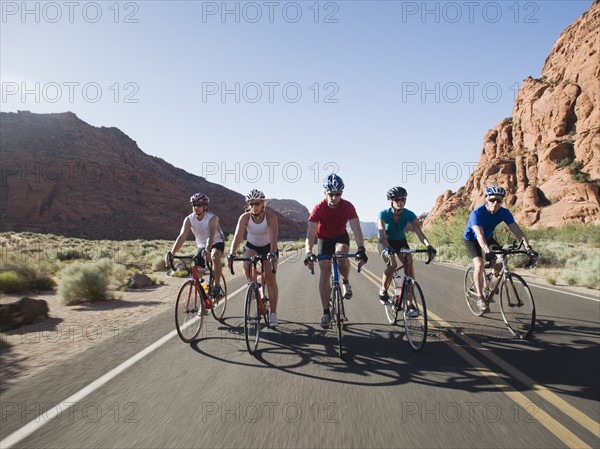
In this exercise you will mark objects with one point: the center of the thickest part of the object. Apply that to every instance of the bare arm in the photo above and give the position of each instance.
(478, 230)
(358, 235)
(240, 229)
(185, 230)
(311, 233)
(273, 223)
(382, 234)
(212, 231)
(516, 230)
(416, 225)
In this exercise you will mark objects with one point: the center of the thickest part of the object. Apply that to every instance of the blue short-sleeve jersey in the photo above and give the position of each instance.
(393, 230)
(481, 217)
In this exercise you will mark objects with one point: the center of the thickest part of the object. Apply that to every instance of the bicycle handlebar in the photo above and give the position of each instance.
(207, 260)
(516, 249)
(410, 251)
(336, 256)
(252, 259)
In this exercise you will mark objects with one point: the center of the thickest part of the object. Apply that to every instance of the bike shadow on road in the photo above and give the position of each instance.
(378, 354)
(374, 355)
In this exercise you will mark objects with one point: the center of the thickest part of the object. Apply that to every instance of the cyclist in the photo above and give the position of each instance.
(262, 234)
(479, 234)
(209, 237)
(328, 222)
(391, 227)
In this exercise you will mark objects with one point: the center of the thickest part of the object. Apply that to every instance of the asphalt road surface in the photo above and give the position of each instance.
(473, 385)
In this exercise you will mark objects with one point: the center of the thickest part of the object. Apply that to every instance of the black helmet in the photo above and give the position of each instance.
(396, 192)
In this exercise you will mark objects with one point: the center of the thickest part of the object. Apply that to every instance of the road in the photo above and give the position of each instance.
(473, 385)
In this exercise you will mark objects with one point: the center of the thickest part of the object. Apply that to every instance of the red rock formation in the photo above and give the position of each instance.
(548, 154)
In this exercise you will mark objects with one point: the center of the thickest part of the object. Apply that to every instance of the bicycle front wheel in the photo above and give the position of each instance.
(517, 306)
(471, 292)
(338, 315)
(220, 303)
(415, 318)
(189, 312)
(252, 319)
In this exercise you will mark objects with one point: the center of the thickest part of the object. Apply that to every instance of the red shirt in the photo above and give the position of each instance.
(332, 221)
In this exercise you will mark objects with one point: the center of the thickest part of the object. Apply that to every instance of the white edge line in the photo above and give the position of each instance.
(49, 415)
(531, 284)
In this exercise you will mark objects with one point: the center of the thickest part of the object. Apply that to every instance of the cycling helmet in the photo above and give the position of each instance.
(333, 183)
(396, 192)
(199, 198)
(255, 195)
(495, 190)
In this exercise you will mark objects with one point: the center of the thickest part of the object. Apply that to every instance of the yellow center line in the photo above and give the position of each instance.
(560, 431)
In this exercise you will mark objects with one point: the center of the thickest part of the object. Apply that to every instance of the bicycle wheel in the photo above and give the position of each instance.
(220, 304)
(189, 312)
(471, 292)
(391, 307)
(415, 323)
(338, 315)
(252, 319)
(517, 306)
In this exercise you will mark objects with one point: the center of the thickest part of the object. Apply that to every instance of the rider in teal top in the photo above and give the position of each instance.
(392, 224)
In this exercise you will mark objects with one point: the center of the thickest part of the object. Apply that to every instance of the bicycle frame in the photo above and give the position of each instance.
(415, 319)
(194, 300)
(254, 313)
(336, 302)
(517, 305)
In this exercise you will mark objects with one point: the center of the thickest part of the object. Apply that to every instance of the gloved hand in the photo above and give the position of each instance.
(431, 249)
(309, 260)
(362, 255)
(490, 257)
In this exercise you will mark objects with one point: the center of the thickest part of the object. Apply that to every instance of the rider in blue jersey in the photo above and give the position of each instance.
(479, 234)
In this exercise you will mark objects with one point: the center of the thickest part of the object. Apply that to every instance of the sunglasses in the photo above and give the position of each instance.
(495, 200)
(333, 194)
(400, 199)
(254, 203)
(199, 204)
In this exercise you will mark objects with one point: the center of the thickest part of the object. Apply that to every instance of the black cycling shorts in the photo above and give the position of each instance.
(261, 250)
(326, 247)
(474, 250)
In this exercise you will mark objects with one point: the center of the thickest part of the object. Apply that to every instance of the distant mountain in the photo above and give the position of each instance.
(61, 175)
(291, 209)
(369, 229)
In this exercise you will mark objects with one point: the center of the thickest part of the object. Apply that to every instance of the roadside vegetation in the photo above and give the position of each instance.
(89, 270)
(85, 270)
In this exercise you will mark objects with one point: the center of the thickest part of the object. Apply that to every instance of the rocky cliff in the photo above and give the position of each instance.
(547, 154)
(61, 175)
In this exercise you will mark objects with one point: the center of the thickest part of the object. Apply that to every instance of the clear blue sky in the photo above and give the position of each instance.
(274, 95)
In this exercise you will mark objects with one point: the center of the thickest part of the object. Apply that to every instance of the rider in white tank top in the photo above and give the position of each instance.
(258, 233)
(200, 228)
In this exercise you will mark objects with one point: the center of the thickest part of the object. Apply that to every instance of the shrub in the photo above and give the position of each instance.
(85, 281)
(583, 270)
(11, 282)
(32, 277)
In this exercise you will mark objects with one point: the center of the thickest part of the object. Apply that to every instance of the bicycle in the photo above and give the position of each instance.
(336, 303)
(256, 306)
(405, 289)
(193, 300)
(516, 301)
